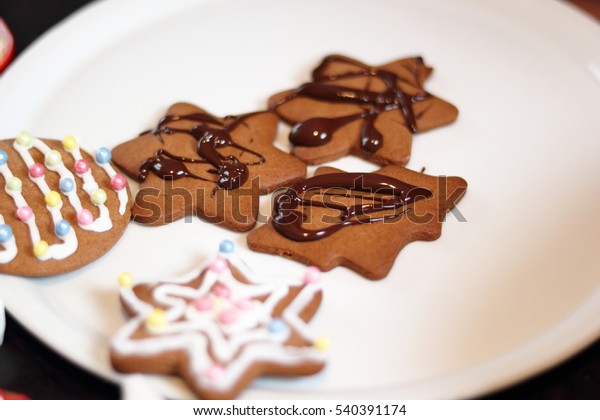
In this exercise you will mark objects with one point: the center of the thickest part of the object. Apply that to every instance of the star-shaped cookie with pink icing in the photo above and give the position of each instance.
(193, 162)
(350, 107)
(220, 326)
(357, 220)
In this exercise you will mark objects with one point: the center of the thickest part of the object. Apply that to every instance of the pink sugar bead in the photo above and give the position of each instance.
(228, 317)
(244, 304)
(312, 275)
(218, 265)
(118, 182)
(214, 373)
(82, 166)
(24, 213)
(85, 217)
(222, 291)
(203, 304)
(37, 170)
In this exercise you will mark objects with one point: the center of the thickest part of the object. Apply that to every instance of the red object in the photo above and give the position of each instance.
(4, 395)
(7, 45)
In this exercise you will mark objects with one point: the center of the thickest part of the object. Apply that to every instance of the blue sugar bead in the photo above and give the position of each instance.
(62, 228)
(3, 157)
(6, 233)
(103, 155)
(67, 185)
(277, 326)
(226, 246)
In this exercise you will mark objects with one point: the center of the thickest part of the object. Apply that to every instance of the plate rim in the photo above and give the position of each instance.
(443, 386)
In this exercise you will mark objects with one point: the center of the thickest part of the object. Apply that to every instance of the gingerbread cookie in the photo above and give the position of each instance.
(357, 220)
(60, 209)
(220, 326)
(352, 108)
(196, 163)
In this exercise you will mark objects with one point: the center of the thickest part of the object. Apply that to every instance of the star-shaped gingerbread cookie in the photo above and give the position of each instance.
(350, 107)
(220, 326)
(193, 162)
(357, 220)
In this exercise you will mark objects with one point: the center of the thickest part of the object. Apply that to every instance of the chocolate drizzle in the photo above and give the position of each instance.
(231, 172)
(319, 131)
(288, 219)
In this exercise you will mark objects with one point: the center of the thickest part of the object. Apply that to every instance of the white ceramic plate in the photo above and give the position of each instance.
(510, 292)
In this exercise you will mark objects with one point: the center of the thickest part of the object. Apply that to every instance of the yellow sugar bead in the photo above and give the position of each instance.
(157, 320)
(99, 197)
(125, 280)
(53, 199)
(322, 343)
(69, 143)
(24, 139)
(40, 249)
(218, 304)
(53, 158)
(14, 184)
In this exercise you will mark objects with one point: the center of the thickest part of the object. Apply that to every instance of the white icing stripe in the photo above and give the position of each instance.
(235, 344)
(103, 222)
(142, 308)
(7, 255)
(291, 313)
(110, 171)
(63, 172)
(196, 346)
(98, 225)
(70, 243)
(19, 200)
(121, 194)
(259, 352)
(131, 301)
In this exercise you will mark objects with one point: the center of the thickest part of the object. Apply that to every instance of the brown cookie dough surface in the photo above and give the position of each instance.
(196, 163)
(353, 108)
(328, 225)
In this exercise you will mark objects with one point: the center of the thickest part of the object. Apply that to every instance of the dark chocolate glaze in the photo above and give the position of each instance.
(231, 172)
(288, 219)
(319, 131)
(166, 168)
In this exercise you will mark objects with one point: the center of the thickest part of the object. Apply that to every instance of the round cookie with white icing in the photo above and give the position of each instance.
(220, 326)
(60, 207)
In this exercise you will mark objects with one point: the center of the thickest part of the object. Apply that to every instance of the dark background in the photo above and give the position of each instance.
(29, 367)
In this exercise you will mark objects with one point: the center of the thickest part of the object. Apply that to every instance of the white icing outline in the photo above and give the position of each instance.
(196, 331)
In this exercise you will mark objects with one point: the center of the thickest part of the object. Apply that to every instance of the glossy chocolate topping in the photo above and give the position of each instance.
(231, 172)
(319, 131)
(366, 188)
